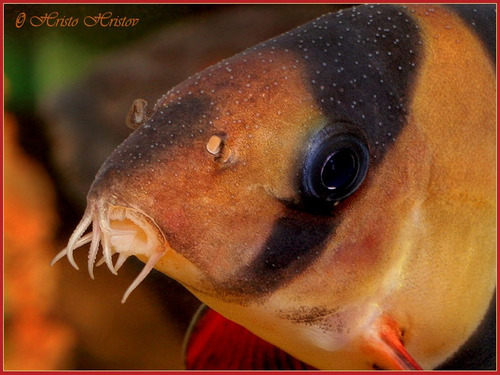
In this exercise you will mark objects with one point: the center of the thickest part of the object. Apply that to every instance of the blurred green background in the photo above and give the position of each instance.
(42, 59)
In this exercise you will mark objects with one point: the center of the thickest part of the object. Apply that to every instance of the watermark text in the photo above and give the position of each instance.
(54, 19)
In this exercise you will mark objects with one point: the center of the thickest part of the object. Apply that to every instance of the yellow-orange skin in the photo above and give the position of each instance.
(417, 243)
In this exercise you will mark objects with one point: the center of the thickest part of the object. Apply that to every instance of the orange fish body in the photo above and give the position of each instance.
(333, 190)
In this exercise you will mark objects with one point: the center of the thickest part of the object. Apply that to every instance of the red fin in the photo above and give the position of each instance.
(385, 343)
(216, 343)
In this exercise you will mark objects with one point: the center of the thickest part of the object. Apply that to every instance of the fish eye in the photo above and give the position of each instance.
(335, 165)
(340, 169)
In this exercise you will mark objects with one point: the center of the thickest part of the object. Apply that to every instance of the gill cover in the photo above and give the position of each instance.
(332, 190)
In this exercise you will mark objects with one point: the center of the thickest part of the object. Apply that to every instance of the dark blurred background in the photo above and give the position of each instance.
(67, 91)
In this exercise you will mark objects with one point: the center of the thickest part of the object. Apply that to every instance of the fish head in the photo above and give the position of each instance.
(305, 193)
(222, 170)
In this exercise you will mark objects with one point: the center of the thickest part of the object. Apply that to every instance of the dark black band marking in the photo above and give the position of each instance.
(361, 64)
(295, 242)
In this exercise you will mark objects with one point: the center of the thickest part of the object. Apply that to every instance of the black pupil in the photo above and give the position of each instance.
(340, 169)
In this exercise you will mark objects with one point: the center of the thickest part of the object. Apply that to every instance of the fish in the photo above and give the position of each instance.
(331, 190)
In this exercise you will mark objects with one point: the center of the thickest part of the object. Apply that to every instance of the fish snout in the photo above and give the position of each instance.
(131, 232)
(119, 230)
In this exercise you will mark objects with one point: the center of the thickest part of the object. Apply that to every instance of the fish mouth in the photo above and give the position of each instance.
(119, 230)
